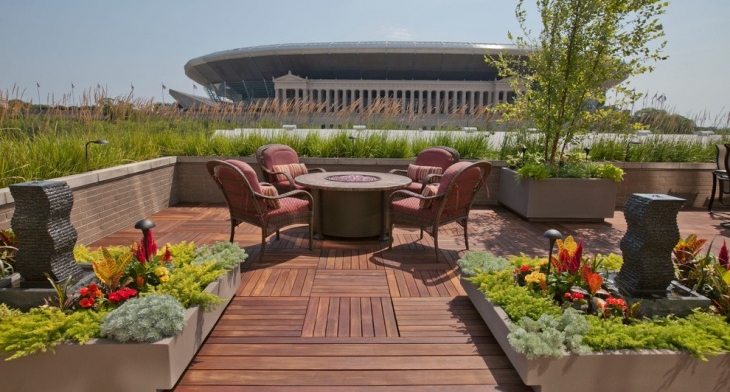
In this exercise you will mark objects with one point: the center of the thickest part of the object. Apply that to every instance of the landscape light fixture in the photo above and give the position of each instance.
(145, 225)
(353, 138)
(588, 152)
(626, 155)
(98, 141)
(552, 235)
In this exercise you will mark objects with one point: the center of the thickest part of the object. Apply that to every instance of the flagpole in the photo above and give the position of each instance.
(38, 89)
(163, 94)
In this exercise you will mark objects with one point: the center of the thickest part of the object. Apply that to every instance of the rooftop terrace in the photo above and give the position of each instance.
(351, 315)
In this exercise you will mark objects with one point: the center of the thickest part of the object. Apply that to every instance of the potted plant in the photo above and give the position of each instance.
(8, 249)
(564, 327)
(584, 48)
(136, 327)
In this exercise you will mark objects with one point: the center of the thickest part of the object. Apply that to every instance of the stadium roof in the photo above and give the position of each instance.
(384, 60)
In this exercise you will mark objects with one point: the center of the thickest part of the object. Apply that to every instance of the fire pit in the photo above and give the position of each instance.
(353, 178)
(351, 204)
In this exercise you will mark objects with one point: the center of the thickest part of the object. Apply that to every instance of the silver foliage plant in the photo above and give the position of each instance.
(146, 319)
(226, 255)
(550, 336)
(481, 261)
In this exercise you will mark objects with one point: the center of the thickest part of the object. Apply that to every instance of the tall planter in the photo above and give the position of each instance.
(625, 370)
(558, 199)
(105, 365)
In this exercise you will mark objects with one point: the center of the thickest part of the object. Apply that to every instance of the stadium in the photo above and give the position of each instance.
(411, 78)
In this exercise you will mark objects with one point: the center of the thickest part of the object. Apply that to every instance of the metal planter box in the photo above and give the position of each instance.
(625, 370)
(558, 199)
(105, 365)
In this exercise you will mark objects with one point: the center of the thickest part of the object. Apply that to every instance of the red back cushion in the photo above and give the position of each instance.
(279, 155)
(435, 157)
(248, 172)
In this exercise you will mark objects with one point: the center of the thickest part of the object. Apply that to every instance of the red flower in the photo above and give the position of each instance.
(524, 268)
(723, 257)
(121, 295)
(167, 256)
(574, 262)
(84, 291)
(86, 303)
(139, 252)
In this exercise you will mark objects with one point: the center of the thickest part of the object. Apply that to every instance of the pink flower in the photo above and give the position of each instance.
(723, 258)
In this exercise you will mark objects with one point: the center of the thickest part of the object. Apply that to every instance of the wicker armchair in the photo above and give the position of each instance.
(280, 165)
(246, 202)
(421, 172)
(451, 202)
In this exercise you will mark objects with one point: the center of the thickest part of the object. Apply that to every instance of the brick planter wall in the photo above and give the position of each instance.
(111, 199)
(108, 200)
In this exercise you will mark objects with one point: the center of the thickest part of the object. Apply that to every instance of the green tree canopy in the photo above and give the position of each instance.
(584, 48)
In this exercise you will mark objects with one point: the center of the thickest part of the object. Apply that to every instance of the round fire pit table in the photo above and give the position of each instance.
(351, 204)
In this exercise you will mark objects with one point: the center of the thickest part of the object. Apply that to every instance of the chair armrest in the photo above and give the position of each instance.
(287, 175)
(316, 169)
(398, 171)
(402, 194)
(298, 193)
(430, 179)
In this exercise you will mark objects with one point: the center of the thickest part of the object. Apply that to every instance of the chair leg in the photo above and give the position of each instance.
(436, 241)
(277, 233)
(466, 234)
(263, 246)
(421, 233)
(233, 230)
(310, 236)
(390, 238)
(712, 195)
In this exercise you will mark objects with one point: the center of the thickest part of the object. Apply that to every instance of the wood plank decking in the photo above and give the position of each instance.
(350, 315)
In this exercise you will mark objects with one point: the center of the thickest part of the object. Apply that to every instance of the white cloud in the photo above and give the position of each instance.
(395, 33)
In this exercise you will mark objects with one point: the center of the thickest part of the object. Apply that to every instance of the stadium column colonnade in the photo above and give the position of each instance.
(413, 96)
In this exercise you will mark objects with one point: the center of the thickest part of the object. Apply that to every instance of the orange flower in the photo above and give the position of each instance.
(140, 281)
(595, 281)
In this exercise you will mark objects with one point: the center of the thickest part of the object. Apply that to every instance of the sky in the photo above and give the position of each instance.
(48, 46)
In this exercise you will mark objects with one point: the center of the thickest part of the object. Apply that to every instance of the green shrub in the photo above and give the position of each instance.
(187, 281)
(146, 319)
(43, 328)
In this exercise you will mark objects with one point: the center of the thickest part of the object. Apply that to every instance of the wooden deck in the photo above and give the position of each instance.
(351, 315)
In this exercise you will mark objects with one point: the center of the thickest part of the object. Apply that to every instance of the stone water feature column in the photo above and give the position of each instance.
(651, 235)
(42, 222)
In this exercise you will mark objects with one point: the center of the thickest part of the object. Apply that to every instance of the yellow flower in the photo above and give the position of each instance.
(161, 272)
(164, 278)
(535, 277)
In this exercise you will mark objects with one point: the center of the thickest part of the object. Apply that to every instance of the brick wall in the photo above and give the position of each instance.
(108, 200)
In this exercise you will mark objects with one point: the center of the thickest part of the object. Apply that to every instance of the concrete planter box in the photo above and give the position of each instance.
(558, 199)
(105, 365)
(627, 370)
